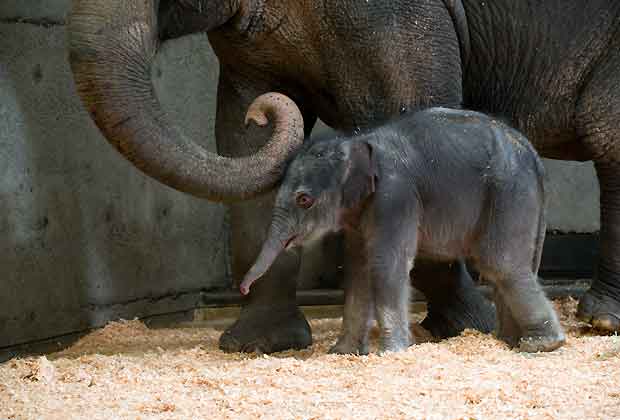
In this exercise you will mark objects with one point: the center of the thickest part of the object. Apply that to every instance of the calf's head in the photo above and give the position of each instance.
(325, 182)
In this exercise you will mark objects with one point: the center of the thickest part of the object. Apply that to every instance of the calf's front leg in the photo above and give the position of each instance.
(358, 298)
(390, 282)
(391, 260)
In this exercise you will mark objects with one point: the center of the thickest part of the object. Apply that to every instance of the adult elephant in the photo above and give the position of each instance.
(551, 66)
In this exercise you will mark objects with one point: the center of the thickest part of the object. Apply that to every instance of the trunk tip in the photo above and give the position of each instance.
(245, 285)
(257, 118)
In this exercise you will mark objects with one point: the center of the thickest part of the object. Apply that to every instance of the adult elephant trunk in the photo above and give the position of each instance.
(280, 235)
(112, 44)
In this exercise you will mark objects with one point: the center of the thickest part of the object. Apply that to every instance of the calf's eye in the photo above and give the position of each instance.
(304, 201)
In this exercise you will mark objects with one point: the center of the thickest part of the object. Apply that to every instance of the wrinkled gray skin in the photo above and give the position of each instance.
(439, 184)
(550, 67)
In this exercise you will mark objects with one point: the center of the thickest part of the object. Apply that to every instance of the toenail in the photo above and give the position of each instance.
(608, 322)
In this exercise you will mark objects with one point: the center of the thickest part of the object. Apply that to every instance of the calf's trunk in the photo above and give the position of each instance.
(277, 241)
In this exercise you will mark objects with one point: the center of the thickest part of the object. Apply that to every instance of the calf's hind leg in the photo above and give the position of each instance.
(508, 329)
(509, 257)
(531, 310)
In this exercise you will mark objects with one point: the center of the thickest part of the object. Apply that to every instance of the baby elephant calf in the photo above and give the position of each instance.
(438, 184)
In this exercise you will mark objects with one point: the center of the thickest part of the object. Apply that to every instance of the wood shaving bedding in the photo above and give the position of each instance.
(127, 371)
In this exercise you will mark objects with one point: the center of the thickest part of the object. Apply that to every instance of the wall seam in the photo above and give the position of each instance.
(47, 23)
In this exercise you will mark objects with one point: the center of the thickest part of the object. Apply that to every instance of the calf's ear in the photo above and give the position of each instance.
(360, 173)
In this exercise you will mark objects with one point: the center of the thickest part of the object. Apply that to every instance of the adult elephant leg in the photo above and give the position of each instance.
(598, 124)
(454, 303)
(270, 320)
(600, 306)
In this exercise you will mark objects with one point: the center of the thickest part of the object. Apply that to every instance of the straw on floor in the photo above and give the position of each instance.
(127, 371)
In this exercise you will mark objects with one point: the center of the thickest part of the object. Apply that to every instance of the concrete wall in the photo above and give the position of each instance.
(573, 195)
(84, 237)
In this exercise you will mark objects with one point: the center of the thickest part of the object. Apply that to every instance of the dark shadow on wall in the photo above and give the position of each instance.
(42, 243)
(85, 237)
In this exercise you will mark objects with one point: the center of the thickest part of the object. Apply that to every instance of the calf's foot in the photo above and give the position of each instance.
(346, 345)
(394, 344)
(547, 337)
(540, 344)
(527, 315)
(267, 330)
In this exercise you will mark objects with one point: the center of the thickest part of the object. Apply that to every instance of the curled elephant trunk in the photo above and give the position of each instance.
(277, 241)
(111, 47)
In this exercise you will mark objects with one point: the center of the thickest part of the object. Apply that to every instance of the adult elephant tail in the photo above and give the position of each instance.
(112, 44)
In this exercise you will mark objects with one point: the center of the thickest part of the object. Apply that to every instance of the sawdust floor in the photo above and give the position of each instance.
(128, 371)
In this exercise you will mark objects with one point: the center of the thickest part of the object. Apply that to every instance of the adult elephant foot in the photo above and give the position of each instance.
(600, 306)
(467, 308)
(600, 310)
(454, 302)
(267, 330)
(270, 321)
